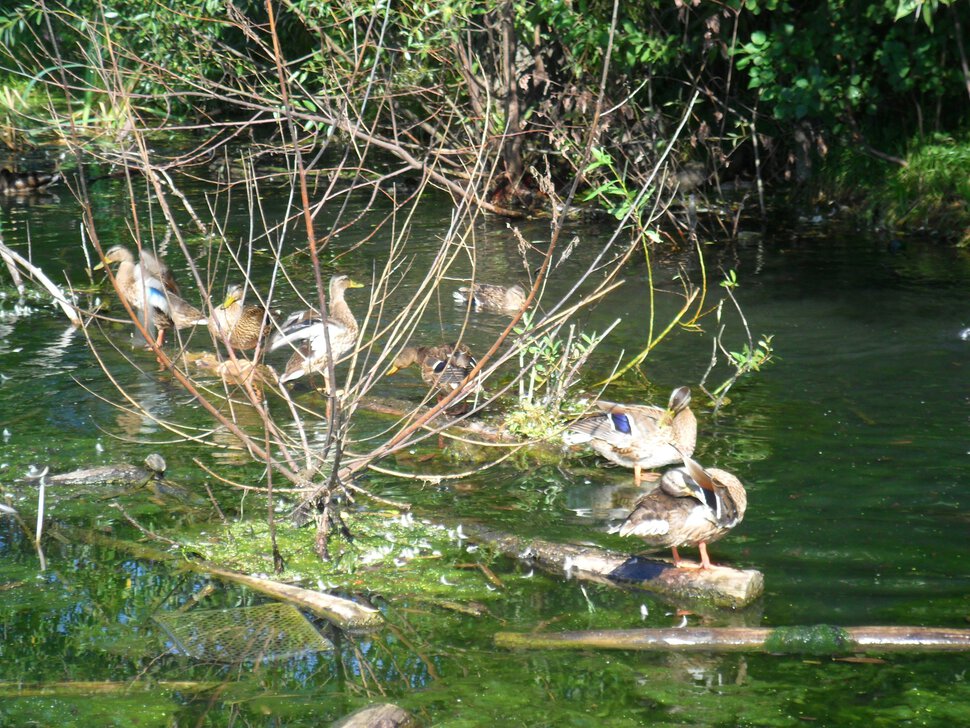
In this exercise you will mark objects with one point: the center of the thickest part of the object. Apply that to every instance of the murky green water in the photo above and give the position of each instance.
(853, 447)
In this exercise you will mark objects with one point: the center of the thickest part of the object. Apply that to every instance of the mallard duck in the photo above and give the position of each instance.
(692, 506)
(443, 367)
(639, 436)
(155, 267)
(489, 297)
(143, 282)
(306, 329)
(25, 183)
(241, 326)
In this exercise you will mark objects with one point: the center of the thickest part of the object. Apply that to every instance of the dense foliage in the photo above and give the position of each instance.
(778, 84)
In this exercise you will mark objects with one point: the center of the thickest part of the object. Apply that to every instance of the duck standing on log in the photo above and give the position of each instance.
(692, 506)
(149, 287)
(639, 436)
(305, 333)
(443, 367)
(489, 297)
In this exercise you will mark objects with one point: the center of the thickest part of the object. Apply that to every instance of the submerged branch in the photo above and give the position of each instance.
(12, 257)
(344, 613)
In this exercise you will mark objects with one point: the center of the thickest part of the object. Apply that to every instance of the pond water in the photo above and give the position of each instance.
(852, 444)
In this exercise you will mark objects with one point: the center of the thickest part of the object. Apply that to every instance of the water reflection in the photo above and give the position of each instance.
(149, 400)
(852, 447)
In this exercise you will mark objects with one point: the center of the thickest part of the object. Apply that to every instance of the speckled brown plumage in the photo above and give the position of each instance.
(242, 326)
(692, 506)
(443, 367)
(490, 297)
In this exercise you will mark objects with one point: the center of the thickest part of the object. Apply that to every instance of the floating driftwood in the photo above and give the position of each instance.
(382, 715)
(344, 613)
(816, 640)
(720, 586)
(13, 259)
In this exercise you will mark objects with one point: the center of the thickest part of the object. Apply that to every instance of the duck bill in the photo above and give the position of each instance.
(354, 284)
(698, 474)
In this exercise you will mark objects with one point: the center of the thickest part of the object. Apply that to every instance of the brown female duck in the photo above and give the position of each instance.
(691, 506)
(490, 297)
(240, 326)
(639, 436)
(443, 367)
(305, 333)
(148, 286)
(25, 183)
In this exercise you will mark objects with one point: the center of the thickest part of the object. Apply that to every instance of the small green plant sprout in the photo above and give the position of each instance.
(751, 357)
(613, 193)
(550, 367)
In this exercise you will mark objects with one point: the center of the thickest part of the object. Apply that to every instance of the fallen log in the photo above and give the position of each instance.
(381, 715)
(720, 586)
(345, 613)
(814, 640)
(82, 688)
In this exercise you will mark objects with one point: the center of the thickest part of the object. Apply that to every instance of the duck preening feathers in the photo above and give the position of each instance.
(443, 367)
(692, 506)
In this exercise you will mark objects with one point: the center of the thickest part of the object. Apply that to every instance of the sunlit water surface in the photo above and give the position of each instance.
(853, 445)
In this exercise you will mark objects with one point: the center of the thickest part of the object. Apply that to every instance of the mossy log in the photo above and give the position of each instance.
(814, 640)
(470, 425)
(720, 586)
(83, 688)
